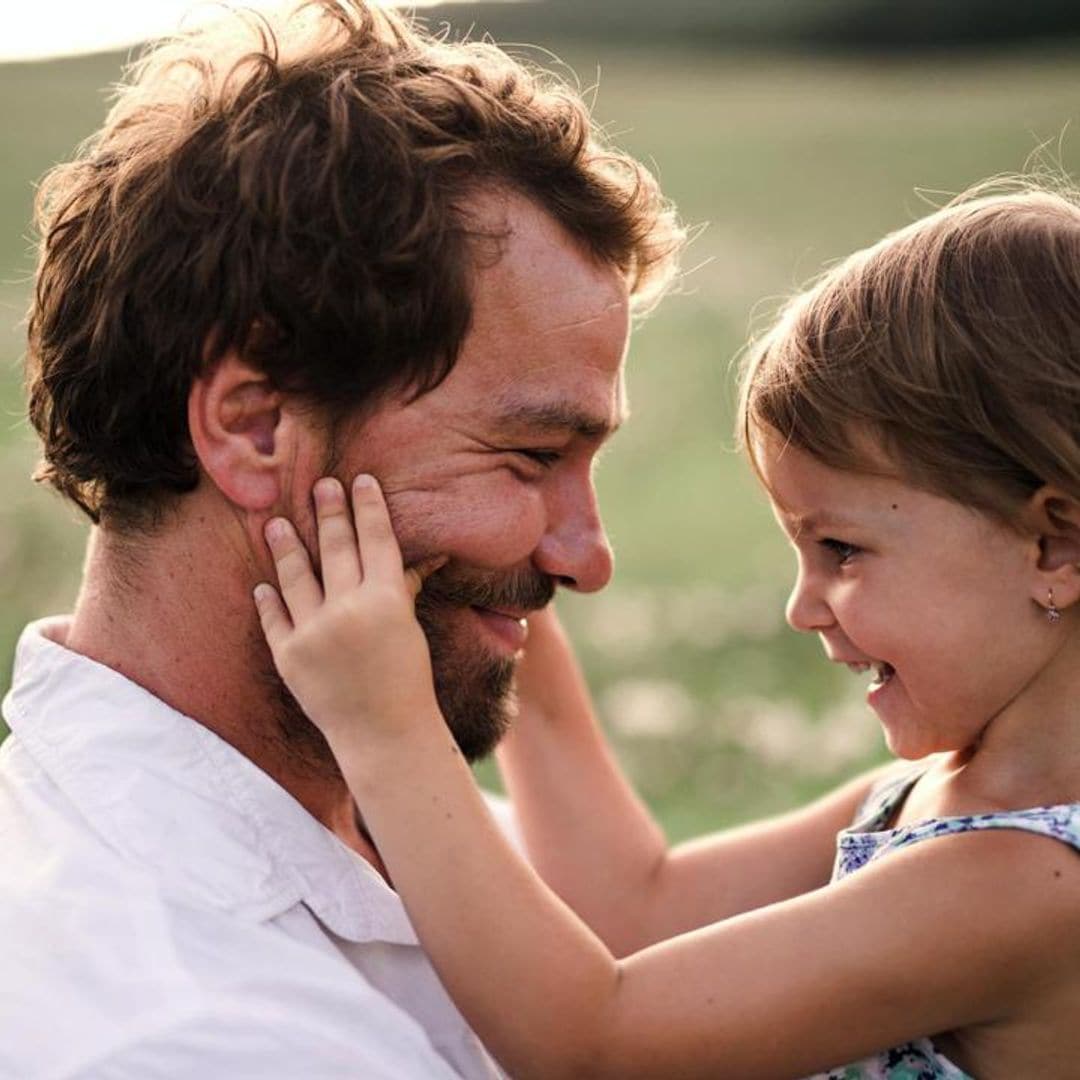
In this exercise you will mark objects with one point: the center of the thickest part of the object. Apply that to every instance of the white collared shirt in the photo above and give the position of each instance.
(167, 910)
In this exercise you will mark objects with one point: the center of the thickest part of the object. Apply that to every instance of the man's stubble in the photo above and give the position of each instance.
(474, 688)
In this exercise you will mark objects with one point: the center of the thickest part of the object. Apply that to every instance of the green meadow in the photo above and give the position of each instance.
(778, 164)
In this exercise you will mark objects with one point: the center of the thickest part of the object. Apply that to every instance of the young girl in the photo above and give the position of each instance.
(915, 420)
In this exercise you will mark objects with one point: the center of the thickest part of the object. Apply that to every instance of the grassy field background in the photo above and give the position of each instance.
(782, 163)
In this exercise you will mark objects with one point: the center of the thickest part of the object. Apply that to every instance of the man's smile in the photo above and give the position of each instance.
(508, 629)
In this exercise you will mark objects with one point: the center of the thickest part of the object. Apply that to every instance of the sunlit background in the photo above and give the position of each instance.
(788, 133)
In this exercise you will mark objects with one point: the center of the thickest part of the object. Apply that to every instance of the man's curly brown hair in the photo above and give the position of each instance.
(295, 190)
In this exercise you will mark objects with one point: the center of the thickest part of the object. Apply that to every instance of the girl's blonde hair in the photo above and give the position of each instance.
(952, 347)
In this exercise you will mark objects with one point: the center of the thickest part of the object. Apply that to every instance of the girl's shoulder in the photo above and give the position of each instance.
(892, 816)
(1022, 861)
(872, 837)
(1024, 858)
(988, 913)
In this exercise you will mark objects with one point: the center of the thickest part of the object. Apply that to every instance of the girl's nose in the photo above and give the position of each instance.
(806, 609)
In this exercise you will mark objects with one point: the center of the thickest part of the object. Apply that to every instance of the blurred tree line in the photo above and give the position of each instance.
(894, 25)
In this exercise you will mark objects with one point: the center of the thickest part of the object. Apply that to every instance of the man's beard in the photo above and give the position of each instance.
(473, 687)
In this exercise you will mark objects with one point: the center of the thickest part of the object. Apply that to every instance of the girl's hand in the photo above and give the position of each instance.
(350, 651)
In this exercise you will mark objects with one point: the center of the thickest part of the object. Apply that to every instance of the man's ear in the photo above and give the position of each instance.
(1054, 516)
(240, 432)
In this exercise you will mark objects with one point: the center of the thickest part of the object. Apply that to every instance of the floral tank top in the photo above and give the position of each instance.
(869, 839)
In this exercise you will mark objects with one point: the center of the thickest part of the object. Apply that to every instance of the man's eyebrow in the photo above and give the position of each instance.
(558, 416)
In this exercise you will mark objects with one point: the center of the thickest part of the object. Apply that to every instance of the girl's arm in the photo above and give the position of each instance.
(946, 934)
(593, 841)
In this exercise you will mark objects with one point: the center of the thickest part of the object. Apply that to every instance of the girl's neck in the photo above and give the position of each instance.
(1028, 754)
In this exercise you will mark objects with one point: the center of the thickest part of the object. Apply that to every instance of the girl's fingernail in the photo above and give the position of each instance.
(363, 481)
(261, 592)
(326, 488)
(275, 529)
(426, 567)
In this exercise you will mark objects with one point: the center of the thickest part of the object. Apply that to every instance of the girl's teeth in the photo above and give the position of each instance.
(882, 674)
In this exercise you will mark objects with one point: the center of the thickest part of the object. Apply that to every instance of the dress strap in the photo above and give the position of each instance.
(886, 795)
(1056, 822)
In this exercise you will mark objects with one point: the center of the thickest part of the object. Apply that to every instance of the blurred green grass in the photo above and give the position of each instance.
(784, 162)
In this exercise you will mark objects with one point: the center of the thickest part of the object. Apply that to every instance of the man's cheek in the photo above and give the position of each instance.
(494, 526)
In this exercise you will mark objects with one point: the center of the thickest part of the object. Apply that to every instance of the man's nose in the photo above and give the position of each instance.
(575, 549)
(806, 609)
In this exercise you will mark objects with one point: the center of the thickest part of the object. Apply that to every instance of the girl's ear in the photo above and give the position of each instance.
(1054, 516)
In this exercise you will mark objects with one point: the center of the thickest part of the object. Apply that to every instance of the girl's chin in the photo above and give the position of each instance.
(905, 751)
(913, 743)
(911, 732)
(904, 736)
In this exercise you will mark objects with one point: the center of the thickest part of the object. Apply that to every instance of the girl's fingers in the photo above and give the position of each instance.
(379, 551)
(413, 582)
(275, 620)
(418, 573)
(296, 579)
(337, 539)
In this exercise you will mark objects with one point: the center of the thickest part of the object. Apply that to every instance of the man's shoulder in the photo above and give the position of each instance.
(258, 1030)
(235, 1041)
(143, 980)
(139, 988)
(107, 976)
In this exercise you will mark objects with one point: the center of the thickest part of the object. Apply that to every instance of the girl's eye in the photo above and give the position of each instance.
(843, 551)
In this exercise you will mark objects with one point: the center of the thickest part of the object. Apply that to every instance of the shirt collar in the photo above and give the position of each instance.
(167, 793)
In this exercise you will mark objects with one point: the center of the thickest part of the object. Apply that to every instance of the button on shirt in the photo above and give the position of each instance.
(168, 910)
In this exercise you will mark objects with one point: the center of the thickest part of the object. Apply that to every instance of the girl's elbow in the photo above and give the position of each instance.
(586, 1044)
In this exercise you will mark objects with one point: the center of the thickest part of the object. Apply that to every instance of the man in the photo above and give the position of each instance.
(320, 245)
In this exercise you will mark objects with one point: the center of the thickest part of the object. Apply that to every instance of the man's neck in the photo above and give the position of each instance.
(174, 614)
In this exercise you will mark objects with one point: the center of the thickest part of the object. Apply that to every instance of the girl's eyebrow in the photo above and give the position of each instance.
(816, 521)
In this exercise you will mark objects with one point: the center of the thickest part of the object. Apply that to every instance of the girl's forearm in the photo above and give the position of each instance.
(595, 844)
(437, 850)
(549, 1000)
(586, 831)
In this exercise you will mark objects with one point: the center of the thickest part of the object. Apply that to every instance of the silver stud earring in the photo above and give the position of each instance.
(1052, 613)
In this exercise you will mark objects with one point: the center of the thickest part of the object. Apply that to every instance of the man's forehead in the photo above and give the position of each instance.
(572, 321)
(526, 260)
